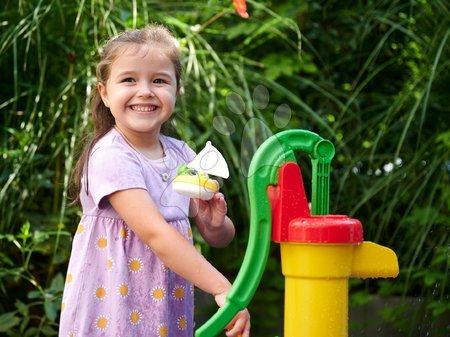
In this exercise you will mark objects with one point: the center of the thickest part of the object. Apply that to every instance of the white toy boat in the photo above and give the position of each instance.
(193, 180)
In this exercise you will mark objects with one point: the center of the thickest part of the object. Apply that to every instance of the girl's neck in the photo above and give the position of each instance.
(149, 146)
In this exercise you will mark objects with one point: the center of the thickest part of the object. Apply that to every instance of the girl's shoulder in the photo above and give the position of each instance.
(111, 141)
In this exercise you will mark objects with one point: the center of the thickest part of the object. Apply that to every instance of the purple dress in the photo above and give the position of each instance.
(115, 285)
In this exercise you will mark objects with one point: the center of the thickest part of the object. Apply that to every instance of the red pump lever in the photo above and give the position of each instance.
(291, 218)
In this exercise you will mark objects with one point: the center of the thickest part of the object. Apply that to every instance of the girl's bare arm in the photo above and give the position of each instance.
(140, 213)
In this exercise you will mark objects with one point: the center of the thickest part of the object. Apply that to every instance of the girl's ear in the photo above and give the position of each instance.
(102, 91)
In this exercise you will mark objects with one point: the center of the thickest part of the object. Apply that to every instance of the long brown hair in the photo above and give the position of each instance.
(152, 36)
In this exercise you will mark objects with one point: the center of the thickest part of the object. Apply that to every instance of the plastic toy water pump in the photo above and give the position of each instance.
(319, 252)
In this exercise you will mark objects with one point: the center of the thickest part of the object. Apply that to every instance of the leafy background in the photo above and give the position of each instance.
(373, 77)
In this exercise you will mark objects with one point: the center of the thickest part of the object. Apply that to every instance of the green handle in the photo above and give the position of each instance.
(263, 172)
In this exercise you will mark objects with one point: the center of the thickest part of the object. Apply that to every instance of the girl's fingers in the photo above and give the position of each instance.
(239, 326)
(246, 332)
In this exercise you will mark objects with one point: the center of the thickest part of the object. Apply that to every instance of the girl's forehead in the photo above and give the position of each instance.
(141, 57)
(139, 54)
(142, 50)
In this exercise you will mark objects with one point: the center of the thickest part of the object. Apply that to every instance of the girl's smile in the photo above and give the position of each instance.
(144, 108)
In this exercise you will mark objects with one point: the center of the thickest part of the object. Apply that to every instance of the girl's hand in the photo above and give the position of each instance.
(210, 216)
(212, 212)
(240, 324)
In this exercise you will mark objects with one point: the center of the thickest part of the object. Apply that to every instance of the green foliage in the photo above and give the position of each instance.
(371, 76)
(24, 277)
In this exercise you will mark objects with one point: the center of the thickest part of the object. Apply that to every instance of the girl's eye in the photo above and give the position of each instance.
(128, 79)
(160, 81)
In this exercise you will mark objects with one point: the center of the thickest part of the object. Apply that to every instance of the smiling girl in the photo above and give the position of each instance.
(133, 265)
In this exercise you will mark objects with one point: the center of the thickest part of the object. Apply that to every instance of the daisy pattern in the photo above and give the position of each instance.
(163, 330)
(124, 233)
(123, 290)
(110, 264)
(80, 229)
(182, 323)
(71, 334)
(69, 278)
(101, 323)
(158, 294)
(178, 292)
(101, 242)
(135, 265)
(100, 292)
(135, 317)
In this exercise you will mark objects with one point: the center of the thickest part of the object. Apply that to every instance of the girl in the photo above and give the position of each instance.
(133, 265)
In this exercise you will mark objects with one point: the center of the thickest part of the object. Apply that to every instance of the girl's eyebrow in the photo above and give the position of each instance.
(163, 73)
(126, 73)
(132, 72)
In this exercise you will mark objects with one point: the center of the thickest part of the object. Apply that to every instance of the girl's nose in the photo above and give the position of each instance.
(146, 90)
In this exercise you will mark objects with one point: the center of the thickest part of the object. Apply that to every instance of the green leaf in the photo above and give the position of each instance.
(51, 309)
(34, 294)
(22, 307)
(8, 321)
(31, 332)
(24, 324)
(57, 283)
(49, 331)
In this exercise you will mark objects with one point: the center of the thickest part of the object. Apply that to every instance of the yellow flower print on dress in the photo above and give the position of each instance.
(158, 294)
(80, 230)
(189, 233)
(135, 317)
(101, 323)
(110, 264)
(178, 293)
(101, 243)
(163, 330)
(123, 290)
(182, 323)
(69, 278)
(135, 265)
(100, 293)
(124, 233)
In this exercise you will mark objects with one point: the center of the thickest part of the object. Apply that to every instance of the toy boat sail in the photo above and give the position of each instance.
(210, 161)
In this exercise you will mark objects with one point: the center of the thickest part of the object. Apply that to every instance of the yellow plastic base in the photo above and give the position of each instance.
(316, 276)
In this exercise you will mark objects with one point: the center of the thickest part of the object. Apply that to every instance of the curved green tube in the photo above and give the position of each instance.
(263, 172)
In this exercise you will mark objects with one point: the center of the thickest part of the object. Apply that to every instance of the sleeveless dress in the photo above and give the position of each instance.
(115, 285)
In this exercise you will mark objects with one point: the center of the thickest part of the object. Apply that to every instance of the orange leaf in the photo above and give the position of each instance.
(241, 8)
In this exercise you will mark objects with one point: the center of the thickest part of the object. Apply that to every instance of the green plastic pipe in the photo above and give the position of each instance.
(263, 171)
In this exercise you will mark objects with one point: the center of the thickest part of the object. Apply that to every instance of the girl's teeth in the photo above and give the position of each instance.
(144, 108)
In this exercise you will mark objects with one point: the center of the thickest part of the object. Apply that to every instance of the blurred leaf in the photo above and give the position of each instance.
(8, 321)
(57, 283)
(49, 331)
(21, 307)
(51, 309)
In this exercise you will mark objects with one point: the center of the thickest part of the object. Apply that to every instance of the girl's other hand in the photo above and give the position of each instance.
(210, 216)
(213, 211)
(240, 324)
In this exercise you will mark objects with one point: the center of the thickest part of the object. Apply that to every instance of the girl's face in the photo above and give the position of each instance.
(140, 91)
